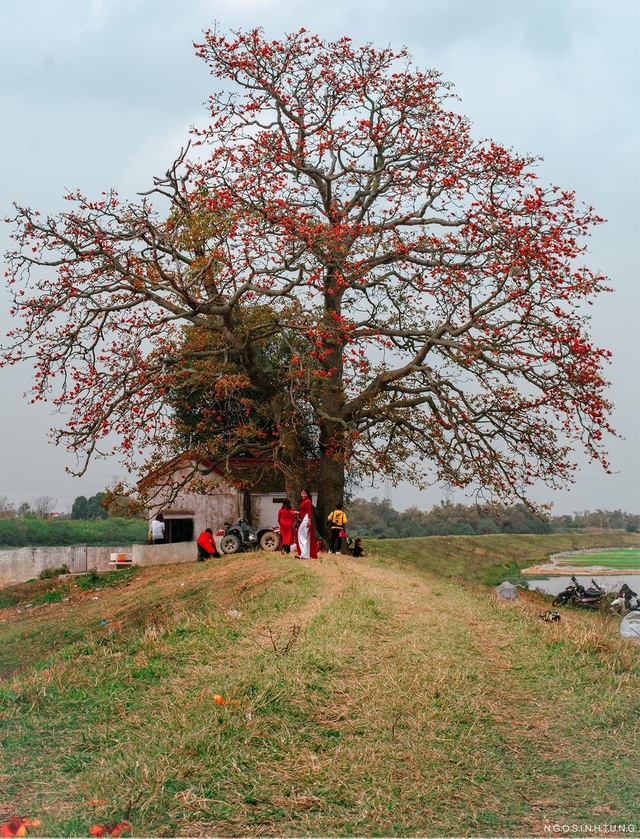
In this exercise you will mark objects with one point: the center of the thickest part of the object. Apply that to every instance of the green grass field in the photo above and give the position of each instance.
(258, 695)
(18, 533)
(627, 559)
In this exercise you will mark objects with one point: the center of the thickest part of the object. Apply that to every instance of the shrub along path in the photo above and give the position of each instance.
(360, 698)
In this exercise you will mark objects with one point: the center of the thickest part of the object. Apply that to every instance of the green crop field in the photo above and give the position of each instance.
(623, 559)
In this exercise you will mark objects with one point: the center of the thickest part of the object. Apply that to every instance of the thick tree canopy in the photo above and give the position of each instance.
(89, 508)
(423, 289)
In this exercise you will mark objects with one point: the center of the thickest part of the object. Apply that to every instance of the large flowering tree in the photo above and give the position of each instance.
(422, 290)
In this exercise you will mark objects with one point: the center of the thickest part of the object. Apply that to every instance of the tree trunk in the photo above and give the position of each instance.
(331, 480)
(331, 472)
(291, 458)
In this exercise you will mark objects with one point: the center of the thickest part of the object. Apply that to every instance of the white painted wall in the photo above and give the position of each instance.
(264, 508)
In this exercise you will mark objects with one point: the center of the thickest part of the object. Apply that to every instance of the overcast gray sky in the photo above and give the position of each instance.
(101, 93)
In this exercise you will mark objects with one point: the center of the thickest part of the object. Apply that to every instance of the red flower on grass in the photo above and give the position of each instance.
(17, 826)
(118, 829)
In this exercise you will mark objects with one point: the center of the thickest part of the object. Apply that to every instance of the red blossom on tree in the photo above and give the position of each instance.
(424, 288)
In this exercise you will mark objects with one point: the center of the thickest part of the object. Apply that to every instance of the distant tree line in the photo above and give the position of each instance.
(113, 503)
(89, 508)
(41, 507)
(378, 520)
(373, 519)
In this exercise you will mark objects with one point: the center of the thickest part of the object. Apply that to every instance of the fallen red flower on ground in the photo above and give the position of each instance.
(117, 829)
(17, 826)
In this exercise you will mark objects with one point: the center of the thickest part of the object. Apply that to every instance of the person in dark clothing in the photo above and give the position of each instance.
(357, 549)
(337, 522)
(206, 545)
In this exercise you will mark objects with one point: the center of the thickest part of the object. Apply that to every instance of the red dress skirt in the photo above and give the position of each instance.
(286, 520)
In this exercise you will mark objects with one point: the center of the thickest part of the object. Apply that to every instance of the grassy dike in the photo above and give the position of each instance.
(32, 532)
(494, 558)
(366, 698)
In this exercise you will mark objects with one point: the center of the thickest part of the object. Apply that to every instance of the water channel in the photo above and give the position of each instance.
(609, 582)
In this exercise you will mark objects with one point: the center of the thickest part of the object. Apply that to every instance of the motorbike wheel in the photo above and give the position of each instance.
(230, 544)
(560, 600)
(270, 541)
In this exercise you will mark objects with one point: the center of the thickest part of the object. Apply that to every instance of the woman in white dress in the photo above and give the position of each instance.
(306, 536)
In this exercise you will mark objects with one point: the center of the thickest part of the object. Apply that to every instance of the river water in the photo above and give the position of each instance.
(609, 582)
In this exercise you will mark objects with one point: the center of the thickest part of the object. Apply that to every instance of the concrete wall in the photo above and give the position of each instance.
(264, 508)
(22, 564)
(222, 502)
(164, 554)
(259, 509)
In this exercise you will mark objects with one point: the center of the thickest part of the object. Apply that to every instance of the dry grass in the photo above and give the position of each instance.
(406, 704)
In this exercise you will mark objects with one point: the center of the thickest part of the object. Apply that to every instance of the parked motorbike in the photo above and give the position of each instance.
(577, 595)
(626, 601)
(242, 536)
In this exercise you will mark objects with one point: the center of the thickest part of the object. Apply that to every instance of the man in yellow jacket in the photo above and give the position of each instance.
(338, 522)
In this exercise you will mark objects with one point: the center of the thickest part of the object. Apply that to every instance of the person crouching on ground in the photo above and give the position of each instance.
(286, 521)
(358, 550)
(206, 545)
(306, 536)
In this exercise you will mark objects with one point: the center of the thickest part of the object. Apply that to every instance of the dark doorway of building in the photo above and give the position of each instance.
(178, 530)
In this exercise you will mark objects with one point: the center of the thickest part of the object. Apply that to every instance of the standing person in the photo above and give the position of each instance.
(338, 522)
(286, 521)
(157, 530)
(306, 537)
(206, 545)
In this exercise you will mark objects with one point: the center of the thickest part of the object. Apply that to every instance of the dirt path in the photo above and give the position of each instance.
(334, 579)
(338, 572)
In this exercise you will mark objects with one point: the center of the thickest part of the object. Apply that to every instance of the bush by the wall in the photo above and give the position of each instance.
(50, 573)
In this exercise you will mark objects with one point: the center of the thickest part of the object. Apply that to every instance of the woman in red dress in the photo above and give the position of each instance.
(286, 521)
(306, 536)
